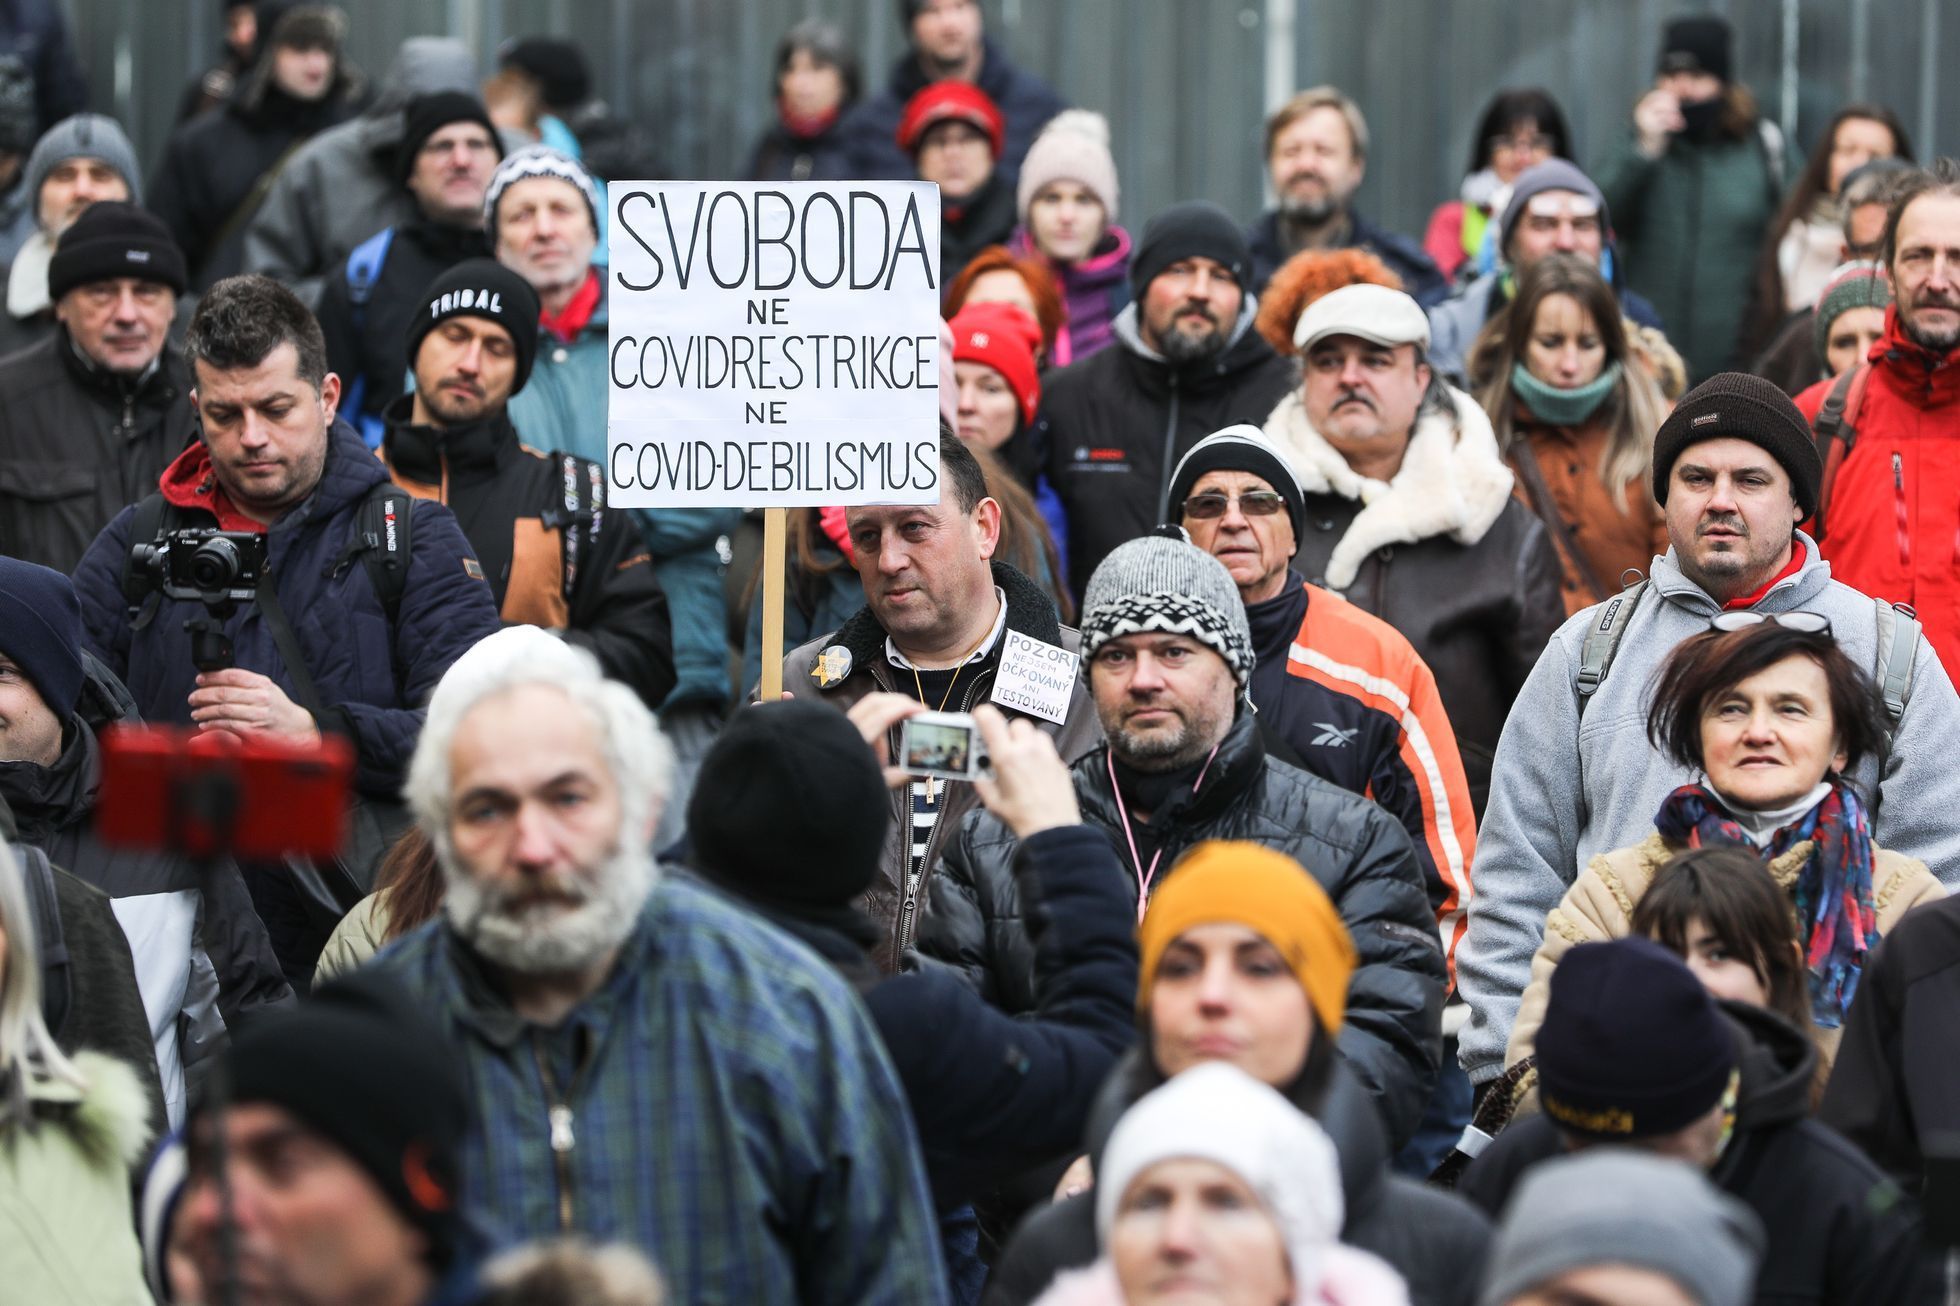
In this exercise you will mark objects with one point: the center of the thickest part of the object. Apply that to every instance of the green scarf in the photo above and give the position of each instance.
(1563, 407)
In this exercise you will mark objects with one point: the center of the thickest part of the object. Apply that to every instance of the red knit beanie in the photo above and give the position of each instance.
(1005, 338)
(951, 101)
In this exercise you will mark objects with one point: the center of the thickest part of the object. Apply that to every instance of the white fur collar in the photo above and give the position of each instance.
(1452, 482)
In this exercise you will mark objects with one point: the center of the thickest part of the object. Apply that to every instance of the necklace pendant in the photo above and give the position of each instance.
(931, 781)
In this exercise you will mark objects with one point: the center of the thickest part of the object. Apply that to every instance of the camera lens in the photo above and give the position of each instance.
(216, 565)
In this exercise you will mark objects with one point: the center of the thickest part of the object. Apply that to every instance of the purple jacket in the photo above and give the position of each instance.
(1094, 291)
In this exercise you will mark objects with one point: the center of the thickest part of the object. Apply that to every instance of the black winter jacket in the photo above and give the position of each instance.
(374, 680)
(1893, 1087)
(870, 131)
(77, 443)
(782, 156)
(993, 1095)
(1839, 1230)
(966, 229)
(1435, 1241)
(1405, 257)
(367, 342)
(1115, 425)
(1356, 851)
(510, 501)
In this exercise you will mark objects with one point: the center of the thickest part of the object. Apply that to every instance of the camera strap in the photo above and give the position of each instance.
(287, 643)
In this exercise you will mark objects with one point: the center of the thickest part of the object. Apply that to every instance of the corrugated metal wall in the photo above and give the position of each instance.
(1185, 82)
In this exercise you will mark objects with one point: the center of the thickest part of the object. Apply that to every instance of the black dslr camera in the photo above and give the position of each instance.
(219, 569)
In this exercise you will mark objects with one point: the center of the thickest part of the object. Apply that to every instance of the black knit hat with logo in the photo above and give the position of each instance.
(481, 287)
(1737, 406)
(112, 239)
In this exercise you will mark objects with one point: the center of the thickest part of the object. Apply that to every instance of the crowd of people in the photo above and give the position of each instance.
(1485, 843)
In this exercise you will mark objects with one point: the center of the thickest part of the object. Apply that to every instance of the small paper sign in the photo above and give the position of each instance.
(1035, 677)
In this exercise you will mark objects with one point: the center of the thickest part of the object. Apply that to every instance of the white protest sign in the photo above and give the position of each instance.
(773, 345)
(1034, 677)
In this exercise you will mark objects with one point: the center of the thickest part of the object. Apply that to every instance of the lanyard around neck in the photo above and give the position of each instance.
(1145, 875)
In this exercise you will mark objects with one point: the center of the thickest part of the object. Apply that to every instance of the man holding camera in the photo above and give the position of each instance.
(92, 414)
(552, 553)
(333, 602)
(937, 620)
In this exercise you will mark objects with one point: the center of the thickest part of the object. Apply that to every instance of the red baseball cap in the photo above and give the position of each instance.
(951, 101)
(1005, 338)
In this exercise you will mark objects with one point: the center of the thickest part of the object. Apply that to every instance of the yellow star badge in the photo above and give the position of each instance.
(833, 666)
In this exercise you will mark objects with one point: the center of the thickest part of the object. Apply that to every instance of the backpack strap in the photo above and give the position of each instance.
(1898, 642)
(382, 540)
(364, 266)
(1835, 430)
(1603, 640)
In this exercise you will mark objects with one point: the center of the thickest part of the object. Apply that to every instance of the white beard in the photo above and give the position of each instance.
(551, 938)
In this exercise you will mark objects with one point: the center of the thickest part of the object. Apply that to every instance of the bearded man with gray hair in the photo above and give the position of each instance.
(648, 1063)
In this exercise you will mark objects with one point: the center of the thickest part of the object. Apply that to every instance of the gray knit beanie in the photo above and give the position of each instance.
(1167, 583)
(1616, 1206)
(84, 136)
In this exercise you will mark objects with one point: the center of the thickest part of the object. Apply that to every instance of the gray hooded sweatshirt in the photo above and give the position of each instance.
(1565, 789)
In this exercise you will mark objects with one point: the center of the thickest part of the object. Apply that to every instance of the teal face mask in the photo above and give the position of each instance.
(1563, 407)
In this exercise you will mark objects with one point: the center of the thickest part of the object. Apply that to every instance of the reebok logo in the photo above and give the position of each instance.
(1706, 419)
(461, 301)
(1332, 736)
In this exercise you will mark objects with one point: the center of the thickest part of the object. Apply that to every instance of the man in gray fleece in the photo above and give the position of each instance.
(1735, 470)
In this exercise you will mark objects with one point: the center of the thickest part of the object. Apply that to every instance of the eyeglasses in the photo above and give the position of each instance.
(1810, 623)
(1256, 503)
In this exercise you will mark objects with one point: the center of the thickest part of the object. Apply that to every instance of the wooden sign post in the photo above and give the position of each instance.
(773, 346)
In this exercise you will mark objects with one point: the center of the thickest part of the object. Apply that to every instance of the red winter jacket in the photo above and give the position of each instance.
(1893, 525)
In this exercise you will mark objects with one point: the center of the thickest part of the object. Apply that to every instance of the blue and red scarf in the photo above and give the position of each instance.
(1833, 891)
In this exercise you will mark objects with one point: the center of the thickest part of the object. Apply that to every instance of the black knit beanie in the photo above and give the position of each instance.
(41, 631)
(1240, 449)
(558, 66)
(481, 287)
(1698, 44)
(790, 807)
(1631, 1046)
(1194, 229)
(425, 115)
(361, 1065)
(1738, 406)
(112, 239)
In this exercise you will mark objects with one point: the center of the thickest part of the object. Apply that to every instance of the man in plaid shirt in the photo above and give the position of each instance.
(647, 1062)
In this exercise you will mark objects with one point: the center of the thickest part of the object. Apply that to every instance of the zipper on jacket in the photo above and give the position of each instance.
(558, 1116)
(1169, 467)
(915, 879)
(1901, 517)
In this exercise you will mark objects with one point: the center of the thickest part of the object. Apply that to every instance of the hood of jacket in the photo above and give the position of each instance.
(1029, 611)
(351, 467)
(1244, 348)
(1802, 586)
(1934, 377)
(1779, 1063)
(466, 453)
(46, 800)
(1453, 482)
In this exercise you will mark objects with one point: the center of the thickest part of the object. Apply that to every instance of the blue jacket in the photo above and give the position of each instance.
(869, 133)
(1405, 257)
(373, 681)
(563, 407)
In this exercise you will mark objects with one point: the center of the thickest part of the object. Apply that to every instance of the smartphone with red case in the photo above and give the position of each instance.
(213, 793)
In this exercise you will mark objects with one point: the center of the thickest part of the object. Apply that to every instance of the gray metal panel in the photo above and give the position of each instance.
(1181, 80)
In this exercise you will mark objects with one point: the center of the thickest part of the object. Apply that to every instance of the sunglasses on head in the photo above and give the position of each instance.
(1810, 623)
(1255, 503)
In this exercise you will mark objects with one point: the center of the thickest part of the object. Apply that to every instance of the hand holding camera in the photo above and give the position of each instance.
(1028, 785)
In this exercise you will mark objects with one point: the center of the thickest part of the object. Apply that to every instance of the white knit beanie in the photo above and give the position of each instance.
(1216, 1112)
(1074, 146)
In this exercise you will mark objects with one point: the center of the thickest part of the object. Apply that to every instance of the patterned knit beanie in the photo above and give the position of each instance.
(1860, 284)
(1166, 583)
(537, 161)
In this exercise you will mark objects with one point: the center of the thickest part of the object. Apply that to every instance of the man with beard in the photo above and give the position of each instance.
(646, 1062)
(1169, 661)
(946, 40)
(1316, 156)
(537, 522)
(1890, 506)
(1735, 470)
(1187, 362)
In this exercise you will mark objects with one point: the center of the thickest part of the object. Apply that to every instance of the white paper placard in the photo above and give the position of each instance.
(773, 345)
(1035, 677)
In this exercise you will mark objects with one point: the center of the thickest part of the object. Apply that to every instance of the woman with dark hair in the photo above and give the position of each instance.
(1733, 926)
(816, 80)
(997, 275)
(1521, 126)
(1245, 961)
(1805, 240)
(1575, 413)
(408, 891)
(1774, 715)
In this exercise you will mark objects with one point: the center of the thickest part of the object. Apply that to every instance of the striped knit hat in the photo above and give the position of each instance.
(1166, 583)
(537, 161)
(1859, 284)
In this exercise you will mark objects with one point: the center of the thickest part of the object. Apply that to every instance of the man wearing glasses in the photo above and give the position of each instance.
(1735, 470)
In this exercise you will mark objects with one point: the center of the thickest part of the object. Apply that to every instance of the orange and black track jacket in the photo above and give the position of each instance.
(1344, 695)
(553, 553)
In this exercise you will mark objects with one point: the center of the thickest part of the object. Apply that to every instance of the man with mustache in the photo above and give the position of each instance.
(1890, 507)
(645, 1060)
(1735, 470)
(1186, 362)
(1316, 156)
(1170, 662)
(538, 523)
(92, 414)
(449, 151)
